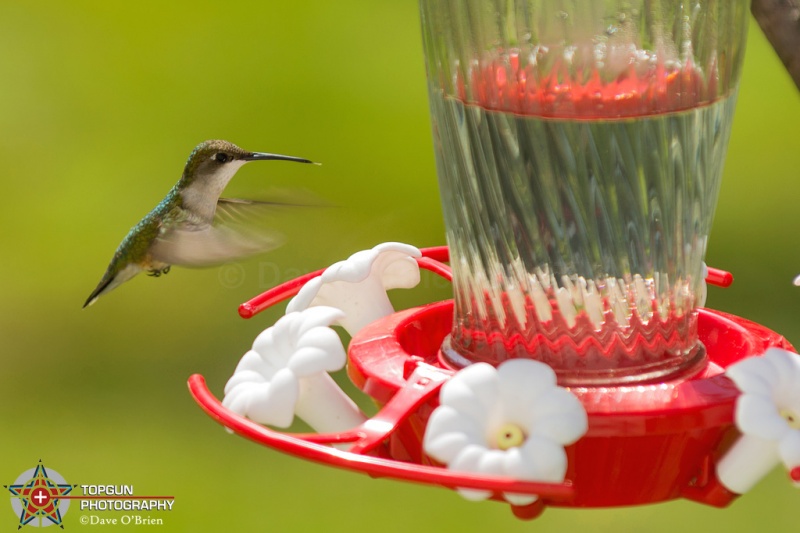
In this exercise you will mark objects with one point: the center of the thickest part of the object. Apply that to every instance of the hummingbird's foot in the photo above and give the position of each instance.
(157, 272)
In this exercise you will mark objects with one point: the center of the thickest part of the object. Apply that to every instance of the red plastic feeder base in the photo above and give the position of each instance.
(645, 443)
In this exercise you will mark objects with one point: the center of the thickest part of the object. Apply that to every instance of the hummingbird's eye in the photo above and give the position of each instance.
(222, 157)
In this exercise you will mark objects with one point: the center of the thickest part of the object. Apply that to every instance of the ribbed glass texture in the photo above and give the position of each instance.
(579, 147)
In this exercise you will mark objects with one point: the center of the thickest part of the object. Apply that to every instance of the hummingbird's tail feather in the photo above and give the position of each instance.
(112, 280)
(95, 294)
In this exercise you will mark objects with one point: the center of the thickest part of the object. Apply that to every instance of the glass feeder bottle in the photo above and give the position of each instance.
(579, 148)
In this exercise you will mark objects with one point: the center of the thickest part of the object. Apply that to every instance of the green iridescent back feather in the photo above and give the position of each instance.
(136, 244)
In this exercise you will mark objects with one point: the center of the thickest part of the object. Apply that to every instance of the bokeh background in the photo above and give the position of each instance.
(100, 104)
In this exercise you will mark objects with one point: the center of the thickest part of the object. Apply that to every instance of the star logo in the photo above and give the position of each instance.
(36, 497)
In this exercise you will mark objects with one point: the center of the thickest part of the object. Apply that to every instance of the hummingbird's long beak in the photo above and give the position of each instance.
(261, 156)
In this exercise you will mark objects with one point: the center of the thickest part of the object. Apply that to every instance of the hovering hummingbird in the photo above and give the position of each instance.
(193, 226)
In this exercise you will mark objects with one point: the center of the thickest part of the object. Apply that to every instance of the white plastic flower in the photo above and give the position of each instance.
(358, 285)
(286, 373)
(768, 416)
(509, 421)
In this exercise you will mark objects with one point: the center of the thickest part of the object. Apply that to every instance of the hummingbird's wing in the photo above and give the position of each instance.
(239, 230)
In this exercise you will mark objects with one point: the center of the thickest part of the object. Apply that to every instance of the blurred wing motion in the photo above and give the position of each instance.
(239, 230)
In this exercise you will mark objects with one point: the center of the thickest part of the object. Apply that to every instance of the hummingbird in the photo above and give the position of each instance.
(192, 226)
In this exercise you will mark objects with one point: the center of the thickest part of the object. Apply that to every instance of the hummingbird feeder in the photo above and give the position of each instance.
(579, 149)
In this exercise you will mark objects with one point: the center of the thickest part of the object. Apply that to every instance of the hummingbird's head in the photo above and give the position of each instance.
(212, 164)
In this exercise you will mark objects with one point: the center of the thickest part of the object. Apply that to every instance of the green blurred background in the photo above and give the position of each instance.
(101, 104)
